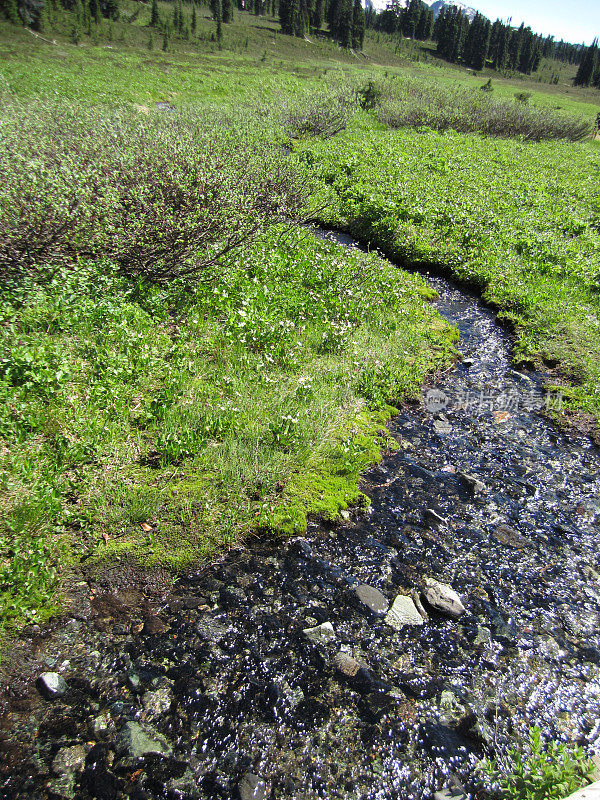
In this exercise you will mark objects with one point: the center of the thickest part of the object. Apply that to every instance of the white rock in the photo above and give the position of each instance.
(320, 633)
(443, 598)
(52, 685)
(403, 612)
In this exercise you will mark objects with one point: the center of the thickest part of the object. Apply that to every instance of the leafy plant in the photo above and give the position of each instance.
(538, 770)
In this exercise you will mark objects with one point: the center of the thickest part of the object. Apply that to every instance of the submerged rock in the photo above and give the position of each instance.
(251, 787)
(403, 612)
(473, 483)
(320, 633)
(137, 741)
(345, 664)
(69, 759)
(443, 598)
(372, 599)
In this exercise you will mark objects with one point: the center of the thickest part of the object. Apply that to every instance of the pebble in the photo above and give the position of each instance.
(52, 685)
(372, 598)
(345, 664)
(403, 612)
(251, 787)
(138, 741)
(442, 428)
(157, 702)
(443, 598)
(320, 633)
(69, 759)
(474, 484)
(432, 516)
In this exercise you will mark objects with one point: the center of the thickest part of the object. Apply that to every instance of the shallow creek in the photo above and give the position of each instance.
(215, 690)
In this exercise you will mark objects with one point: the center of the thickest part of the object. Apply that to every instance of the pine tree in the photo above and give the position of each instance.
(587, 68)
(358, 25)
(227, 10)
(154, 15)
(194, 21)
(111, 9)
(410, 18)
(425, 26)
(9, 11)
(94, 7)
(316, 20)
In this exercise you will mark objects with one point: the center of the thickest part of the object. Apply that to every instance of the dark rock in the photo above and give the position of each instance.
(69, 759)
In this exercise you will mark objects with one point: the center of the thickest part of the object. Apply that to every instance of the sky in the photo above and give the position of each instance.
(574, 21)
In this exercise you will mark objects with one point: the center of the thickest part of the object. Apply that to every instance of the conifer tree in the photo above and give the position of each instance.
(589, 63)
(316, 19)
(94, 9)
(9, 11)
(194, 21)
(154, 15)
(410, 18)
(358, 25)
(227, 10)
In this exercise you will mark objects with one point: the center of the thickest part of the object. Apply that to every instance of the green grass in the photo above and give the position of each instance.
(162, 423)
(518, 220)
(163, 429)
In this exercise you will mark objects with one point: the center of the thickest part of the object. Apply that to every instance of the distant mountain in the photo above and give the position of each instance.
(436, 5)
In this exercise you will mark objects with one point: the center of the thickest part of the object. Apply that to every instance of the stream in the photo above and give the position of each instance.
(275, 673)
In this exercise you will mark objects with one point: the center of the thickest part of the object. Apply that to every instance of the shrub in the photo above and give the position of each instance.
(324, 115)
(417, 105)
(536, 770)
(162, 196)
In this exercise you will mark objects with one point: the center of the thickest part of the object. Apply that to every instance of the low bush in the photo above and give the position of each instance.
(407, 103)
(323, 115)
(160, 196)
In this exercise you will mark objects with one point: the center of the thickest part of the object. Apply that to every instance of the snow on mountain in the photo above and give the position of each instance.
(436, 6)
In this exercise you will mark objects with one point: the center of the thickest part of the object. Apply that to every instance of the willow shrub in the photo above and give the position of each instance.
(406, 103)
(161, 196)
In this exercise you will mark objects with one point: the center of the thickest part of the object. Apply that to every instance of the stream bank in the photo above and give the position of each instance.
(276, 672)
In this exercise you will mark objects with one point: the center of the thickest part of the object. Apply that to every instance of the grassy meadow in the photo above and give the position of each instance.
(182, 363)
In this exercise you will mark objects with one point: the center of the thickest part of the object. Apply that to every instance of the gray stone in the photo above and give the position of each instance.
(452, 711)
(63, 786)
(251, 787)
(156, 703)
(403, 612)
(137, 741)
(473, 483)
(101, 723)
(51, 685)
(345, 664)
(320, 633)
(443, 598)
(442, 428)
(372, 599)
(450, 794)
(69, 759)
(345, 515)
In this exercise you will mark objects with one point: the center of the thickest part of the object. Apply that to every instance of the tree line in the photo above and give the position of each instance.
(346, 19)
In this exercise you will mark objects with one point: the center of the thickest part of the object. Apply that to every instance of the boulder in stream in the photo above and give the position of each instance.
(443, 598)
(403, 612)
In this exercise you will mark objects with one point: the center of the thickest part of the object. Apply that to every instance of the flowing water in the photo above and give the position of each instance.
(222, 694)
